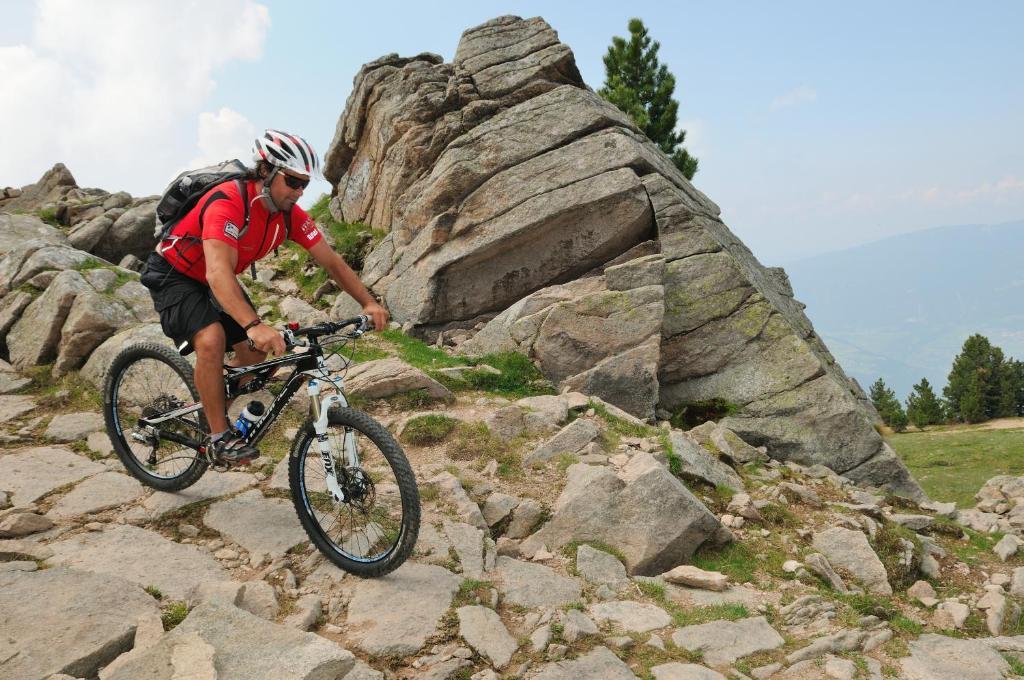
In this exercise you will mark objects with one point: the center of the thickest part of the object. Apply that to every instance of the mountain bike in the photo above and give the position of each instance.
(350, 482)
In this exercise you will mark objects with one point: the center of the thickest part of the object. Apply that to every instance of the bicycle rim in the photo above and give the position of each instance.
(375, 528)
(147, 386)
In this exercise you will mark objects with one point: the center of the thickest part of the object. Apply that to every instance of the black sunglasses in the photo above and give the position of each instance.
(294, 182)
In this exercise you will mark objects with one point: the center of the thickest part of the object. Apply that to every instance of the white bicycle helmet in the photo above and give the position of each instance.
(283, 150)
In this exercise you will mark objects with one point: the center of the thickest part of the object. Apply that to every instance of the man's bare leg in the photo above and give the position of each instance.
(209, 374)
(245, 356)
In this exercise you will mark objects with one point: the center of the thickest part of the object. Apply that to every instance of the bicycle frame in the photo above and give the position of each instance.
(309, 366)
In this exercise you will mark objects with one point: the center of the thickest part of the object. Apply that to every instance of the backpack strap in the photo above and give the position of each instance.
(287, 230)
(243, 191)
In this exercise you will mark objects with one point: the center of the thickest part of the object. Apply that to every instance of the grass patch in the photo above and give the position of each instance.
(734, 560)
(694, 413)
(569, 550)
(519, 377)
(428, 429)
(411, 400)
(472, 591)
(978, 546)
(418, 353)
(619, 425)
(868, 605)
(49, 215)
(566, 460)
(70, 392)
(692, 616)
(173, 613)
(889, 545)
(155, 592)
(675, 463)
(718, 498)
(952, 466)
(775, 515)
(902, 624)
(1016, 665)
(352, 240)
(472, 441)
(653, 590)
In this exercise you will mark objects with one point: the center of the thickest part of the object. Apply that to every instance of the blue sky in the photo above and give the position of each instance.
(818, 125)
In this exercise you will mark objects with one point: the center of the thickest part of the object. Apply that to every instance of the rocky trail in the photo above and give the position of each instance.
(561, 538)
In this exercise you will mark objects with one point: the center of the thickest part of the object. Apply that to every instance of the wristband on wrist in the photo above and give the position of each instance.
(255, 322)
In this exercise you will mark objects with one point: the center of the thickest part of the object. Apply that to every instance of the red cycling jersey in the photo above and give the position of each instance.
(220, 214)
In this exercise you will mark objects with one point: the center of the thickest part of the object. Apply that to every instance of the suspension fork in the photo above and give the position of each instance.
(319, 409)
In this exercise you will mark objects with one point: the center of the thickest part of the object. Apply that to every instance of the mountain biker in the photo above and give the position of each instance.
(192, 274)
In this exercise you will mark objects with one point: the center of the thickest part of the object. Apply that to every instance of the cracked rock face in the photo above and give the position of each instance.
(513, 195)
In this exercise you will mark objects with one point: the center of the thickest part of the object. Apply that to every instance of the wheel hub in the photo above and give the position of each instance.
(359, 488)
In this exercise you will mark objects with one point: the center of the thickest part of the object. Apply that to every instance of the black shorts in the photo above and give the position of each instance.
(185, 305)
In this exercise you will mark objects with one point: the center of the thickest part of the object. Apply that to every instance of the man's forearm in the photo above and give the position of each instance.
(349, 282)
(231, 298)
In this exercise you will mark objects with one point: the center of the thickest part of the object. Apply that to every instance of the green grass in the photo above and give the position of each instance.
(621, 426)
(690, 616)
(173, 613)
(952, 466)
(70, 392)
(121, 276)
(734, 560)
(418, 353)
(888, 544)
(49, 215)
(471, 590)
(352, 240)
(1016, 665)
(569, 550)
(776, 515)
(519, 377)
(428, 429)
(978, 546)
(475, 441)
(695, 413)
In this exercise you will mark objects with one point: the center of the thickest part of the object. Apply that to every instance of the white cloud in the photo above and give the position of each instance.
(110, 89)
(223, 135)
(801, 95)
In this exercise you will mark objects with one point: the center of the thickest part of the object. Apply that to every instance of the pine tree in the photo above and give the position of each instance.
(638, 85)
(1007, 405)
(923, 407)
(972, 400)
(982, 383)
(888, 406)
(1017, 367)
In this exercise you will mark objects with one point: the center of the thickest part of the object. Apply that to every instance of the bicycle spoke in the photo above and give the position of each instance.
(147, 388)
(368, 524)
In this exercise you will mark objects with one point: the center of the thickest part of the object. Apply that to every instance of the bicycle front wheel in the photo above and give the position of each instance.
(145, 381)
(373, 529)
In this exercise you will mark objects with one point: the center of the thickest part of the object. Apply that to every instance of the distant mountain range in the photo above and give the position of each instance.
(901, 308)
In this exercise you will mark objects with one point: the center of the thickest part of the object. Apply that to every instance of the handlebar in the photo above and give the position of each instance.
(362, 324)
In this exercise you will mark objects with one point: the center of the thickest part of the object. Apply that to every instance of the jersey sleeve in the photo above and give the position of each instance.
(222, 218)
(303, 229)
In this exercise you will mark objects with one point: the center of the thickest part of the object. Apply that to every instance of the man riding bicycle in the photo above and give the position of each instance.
(192, 274)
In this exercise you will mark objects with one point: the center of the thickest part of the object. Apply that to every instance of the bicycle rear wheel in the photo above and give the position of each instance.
(374, 530)
(144, 381)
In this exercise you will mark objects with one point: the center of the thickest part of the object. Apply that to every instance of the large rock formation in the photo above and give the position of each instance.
(59, 304)
(514, 195)
(110, 226)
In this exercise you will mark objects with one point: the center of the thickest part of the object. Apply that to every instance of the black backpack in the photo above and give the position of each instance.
(182, 194)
